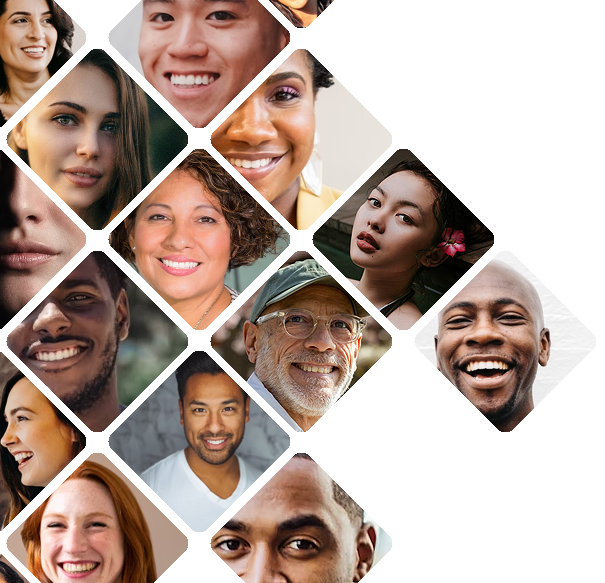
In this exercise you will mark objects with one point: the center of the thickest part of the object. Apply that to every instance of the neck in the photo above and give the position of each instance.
(308, 13)
(305, 422)
(23, 85)
(192, 309)
(381, 287)
(220, 479)
(522, 410)
(285, 203)
(105, 410)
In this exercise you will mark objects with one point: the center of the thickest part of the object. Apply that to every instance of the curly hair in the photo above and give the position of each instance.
(21, 495)
(253, 231)
(65, 32)
(139, 562)
(322, 78)
(9, 574)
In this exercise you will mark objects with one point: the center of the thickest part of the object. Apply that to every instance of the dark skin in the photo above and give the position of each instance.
(490, 342)
(70, 341)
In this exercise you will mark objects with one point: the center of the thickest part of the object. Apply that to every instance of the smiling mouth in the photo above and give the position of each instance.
(48, 356)
(23, 457)
(261, 163)
(487, 368)
(186, 81)
(78, 567)
(315, 368)
(34, 50)
(180, 264)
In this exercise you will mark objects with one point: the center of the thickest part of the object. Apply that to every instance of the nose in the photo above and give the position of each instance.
(25, 202)
(188, 41)
(74, 541)
(9, 437)
(320, 340)
(376, 220)
(88, 144)
(35, 30)
(51, 321)
(484, 332)
(251, 123)
(215, 423)
(179, 236)
(259, 567)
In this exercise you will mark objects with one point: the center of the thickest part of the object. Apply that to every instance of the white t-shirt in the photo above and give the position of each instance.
(174, 481)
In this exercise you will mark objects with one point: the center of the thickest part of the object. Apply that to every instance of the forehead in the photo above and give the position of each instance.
(316, 298)
(406, 186)
(86, 274)
(25, 6)
(209, 387)
(192, 5)
(24, 393)
(81, 496)
(300, 488)
(297, 63)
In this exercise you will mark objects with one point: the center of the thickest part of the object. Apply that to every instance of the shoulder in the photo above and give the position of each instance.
(329, 193)
(252, 473)
(405, 316)
(162, 470)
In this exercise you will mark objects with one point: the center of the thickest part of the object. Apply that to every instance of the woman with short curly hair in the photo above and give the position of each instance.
(198, 223)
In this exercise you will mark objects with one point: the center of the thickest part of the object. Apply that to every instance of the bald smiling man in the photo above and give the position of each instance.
(490, 341)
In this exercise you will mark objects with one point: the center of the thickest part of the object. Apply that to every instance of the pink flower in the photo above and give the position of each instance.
(452, 242)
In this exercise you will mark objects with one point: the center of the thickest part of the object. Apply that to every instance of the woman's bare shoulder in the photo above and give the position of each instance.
(405, 316)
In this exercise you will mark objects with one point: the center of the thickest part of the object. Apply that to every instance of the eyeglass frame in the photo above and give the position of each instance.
(361, 323)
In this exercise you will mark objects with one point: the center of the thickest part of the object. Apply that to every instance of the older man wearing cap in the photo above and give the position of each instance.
(303, 336)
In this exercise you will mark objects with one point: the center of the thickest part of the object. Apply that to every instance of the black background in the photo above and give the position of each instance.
(497, 101)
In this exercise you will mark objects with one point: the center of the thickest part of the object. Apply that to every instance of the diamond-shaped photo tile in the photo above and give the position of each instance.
(301, 13)
(403, 239)
(199, 441)
(96, 139)
(36, 239)
(301, 139)
(97, 522)
(301, 526)
(199, 239)
(37, 441)
(301, 341)
(199, 55)
(505, 341)
(38, 38)
(97, 341)
(8, 573)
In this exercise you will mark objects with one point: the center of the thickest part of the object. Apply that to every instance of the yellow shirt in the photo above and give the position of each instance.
(310, 207)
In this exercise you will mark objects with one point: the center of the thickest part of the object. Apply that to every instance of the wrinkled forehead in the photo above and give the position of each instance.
(495, 284)
(316, 297)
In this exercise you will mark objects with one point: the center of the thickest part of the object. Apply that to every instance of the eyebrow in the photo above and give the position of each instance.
(16, 409)
(498, 302)
(304, 520)
(71, 283)
(175, 2)
(402, 201)
(29, 13)
(80, 108)
(167, 206)
(226, 402)
(236, 526)
(278, 77)
(91, 514)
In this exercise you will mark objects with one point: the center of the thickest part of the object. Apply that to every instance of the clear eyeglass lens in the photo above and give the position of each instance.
(302, 324)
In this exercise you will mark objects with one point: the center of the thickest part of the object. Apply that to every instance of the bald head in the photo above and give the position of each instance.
(490, 341)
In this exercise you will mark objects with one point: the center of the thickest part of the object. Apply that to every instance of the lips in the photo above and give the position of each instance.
(486, 372)
(22, 457)
(215, 442)
(78, 569)
(315, 368)
(34, 51)
(192, 80)
(254, 166)
(83, 176)
(366, 242)
(58, 354)
(23, 255)
(178, 265)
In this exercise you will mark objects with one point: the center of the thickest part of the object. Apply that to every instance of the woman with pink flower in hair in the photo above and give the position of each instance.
(409, 222)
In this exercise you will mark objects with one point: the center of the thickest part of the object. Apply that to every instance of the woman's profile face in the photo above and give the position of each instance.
(269, 138)
(36, 238)
(181, 240)
(80, 534)
(394, 224)
(39, 442)
(27, 37)
(71, 137)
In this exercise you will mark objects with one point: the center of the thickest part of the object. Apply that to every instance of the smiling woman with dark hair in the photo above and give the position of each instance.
(35, 41)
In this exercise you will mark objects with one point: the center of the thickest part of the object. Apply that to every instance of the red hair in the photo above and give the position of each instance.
(139, 563)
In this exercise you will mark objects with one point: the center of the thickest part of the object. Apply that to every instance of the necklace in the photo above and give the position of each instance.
(204, 314)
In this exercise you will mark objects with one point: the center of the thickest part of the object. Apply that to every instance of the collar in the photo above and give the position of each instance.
(264, 393)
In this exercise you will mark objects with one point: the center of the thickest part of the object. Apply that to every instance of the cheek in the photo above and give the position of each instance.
(299, 130)
(217, 246)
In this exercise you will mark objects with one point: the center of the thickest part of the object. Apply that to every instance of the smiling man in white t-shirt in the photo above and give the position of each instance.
(202, 481)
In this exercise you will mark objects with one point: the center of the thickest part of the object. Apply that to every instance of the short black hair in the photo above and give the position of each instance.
(116, 279)
(9, 574)
(353, 510)
(197, 363)
(322, 78)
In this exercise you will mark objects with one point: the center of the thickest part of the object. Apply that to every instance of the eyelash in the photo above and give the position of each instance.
(284, 94)
(401, 216)
(109, 126)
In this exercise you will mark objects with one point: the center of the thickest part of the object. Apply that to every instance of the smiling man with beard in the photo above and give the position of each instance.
(202, 481)
(70, 341)
(490, 342)
(303, 336)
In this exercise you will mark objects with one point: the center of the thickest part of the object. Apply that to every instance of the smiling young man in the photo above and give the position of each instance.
(199, 54)
(301, 527)
(202, 481)
(303, 336)
(490, 342)
(70, 341)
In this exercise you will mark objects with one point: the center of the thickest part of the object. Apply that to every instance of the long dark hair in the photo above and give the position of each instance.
(21, 495)
(65, 32)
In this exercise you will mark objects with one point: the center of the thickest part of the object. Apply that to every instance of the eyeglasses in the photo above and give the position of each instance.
(343, 328)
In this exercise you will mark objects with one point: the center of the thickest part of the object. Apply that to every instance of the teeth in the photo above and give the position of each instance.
(215, 441)
(78, 567)
(82, 174)
(35, 50)
(192, 80)
(321, 369)
(58, 355)
(250, 163)
(486, 365)
(19, 457)
(178, 265)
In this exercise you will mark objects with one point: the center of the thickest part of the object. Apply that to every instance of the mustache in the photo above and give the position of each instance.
(318, 358)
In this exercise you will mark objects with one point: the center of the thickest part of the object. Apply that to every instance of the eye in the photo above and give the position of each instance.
(284, 94)
(161, 17)
(54, 525)
(157, 218)
(21, 418)
(199, 410)
(298, 319)
(229, 409)
(374, 202)
(342, 324)
(78, 298)
(458, 322)
(206, 220)
(221, 16)
(98, 524)
(48, 20)
(511, 319)
(405, 219)
(110, 127)
(301, 548)
(65, 120)
(231, 548)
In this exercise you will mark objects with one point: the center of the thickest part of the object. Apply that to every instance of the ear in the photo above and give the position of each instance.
(366, 542)
(284, 38)
(436, 256)
(544, 347)
(130, 230)
(181, 412)
(251, 340)
(123, 314)
(357, 346)
(19, 136)
(247, 418)
(74, 437)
